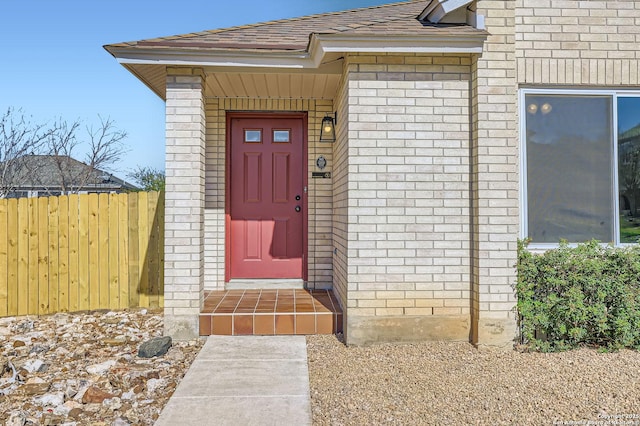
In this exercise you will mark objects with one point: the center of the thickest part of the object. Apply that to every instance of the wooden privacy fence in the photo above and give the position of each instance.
(81, 252)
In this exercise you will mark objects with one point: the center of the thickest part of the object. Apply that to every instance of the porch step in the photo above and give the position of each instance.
(270, 284)
(270, 312)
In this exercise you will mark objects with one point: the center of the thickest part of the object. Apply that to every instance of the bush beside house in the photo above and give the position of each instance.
(579, 295)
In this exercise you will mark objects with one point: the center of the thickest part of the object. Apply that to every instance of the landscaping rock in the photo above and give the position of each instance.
(102, 368)
(35, 386)
(50, 399)
(33, 365)
(155, 347)
(86, 357)
(16, 419)
(95, 395)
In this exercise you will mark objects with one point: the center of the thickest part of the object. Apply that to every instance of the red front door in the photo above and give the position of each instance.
(266, 197)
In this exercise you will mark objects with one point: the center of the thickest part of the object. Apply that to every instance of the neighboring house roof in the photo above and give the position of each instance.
(62, 172)
(312, 42)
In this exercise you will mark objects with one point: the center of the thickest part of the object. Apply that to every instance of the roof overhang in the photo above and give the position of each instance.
(319, 46)
(149, 63)
(176, 56)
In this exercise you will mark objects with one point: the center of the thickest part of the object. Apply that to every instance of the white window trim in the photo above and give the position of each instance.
(615, 94)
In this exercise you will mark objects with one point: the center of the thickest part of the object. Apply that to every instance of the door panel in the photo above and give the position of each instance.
(281, 177)
(266, 221)
(252, 185)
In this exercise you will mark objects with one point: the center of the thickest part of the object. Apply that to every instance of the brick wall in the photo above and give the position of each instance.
(320, 201)
(184, 209)
(340, 194)
(495, 179)
(408, 237)
(577, 42)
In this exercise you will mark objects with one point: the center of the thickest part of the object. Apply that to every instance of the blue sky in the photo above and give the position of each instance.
(52, 63)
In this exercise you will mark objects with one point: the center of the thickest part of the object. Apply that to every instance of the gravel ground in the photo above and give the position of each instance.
(443, 383)
(84, 369)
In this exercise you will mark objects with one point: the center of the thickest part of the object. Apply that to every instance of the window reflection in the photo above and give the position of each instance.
(569, 168)
(629, 168)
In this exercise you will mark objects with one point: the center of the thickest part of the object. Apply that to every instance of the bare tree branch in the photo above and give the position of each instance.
(43, 156)
(19, 138)
(104, 146)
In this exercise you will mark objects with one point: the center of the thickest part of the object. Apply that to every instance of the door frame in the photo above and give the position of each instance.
(227, 184)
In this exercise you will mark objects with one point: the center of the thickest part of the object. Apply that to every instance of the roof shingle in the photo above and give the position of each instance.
(293, 34)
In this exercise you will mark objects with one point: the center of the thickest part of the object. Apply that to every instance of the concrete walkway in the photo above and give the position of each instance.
(244, 380)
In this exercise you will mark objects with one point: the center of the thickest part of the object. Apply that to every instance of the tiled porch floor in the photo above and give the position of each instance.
(270, 312)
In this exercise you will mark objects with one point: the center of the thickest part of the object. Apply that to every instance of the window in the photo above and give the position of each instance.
(280, 136)
(253, 136)
(581, 166)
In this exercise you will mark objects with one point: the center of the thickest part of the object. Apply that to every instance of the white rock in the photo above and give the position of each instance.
(101, 368)
(155, 384)
(61, 410)
(128, 395)
(49, 399)
(16, 419)
(112, 404)
(78, 396)
(33, 365)
(61, 319)
(61, 351)
(120, 422)
(72, 404)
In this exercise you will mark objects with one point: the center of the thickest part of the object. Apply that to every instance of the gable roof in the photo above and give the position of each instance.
(309, 46)
(294, 34)
(50, 171)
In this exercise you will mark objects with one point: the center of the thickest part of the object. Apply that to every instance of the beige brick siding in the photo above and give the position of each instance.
(495, 178)
(407, 198)
(184, 209)
(577, 42)
(319, 194)
(340, 194)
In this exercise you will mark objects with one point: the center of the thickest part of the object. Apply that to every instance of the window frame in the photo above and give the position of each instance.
(614, 94)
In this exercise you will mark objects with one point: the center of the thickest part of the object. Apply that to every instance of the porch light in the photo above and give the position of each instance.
(328, 128)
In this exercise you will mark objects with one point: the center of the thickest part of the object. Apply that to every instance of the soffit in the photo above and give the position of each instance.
(253, 83)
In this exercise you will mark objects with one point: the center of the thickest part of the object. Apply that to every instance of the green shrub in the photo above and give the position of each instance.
(575, 296)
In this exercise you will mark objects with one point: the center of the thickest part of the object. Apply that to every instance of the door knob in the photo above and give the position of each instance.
(298, 208)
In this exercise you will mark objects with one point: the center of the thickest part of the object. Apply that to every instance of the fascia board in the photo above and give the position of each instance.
(221, 58)
(322, 44)
(319, 46)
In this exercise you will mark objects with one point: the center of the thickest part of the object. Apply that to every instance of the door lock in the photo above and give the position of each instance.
(297, 198)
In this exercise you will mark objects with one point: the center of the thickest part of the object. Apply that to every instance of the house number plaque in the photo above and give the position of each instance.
(321, 175)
